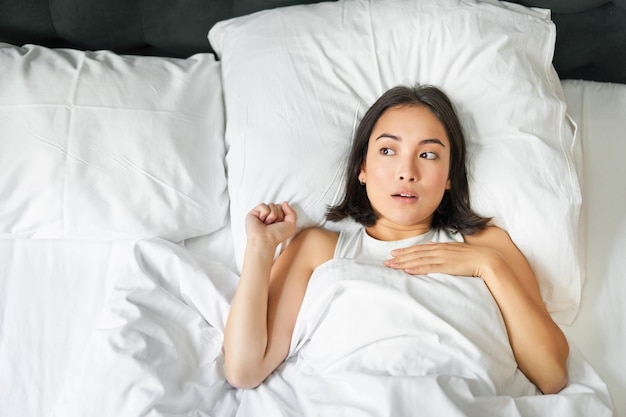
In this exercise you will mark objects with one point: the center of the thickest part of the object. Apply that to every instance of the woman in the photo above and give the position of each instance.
(406, 178)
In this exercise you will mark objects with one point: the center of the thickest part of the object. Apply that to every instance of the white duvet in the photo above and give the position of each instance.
(369, 341)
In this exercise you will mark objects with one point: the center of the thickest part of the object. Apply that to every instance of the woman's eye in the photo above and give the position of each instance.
(387, 151)
(428, 155)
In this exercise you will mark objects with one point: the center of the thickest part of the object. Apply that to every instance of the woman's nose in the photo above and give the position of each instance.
(409, 172)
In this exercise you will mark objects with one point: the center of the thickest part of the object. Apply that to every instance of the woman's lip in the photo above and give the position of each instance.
(405, 194)
(405, 198)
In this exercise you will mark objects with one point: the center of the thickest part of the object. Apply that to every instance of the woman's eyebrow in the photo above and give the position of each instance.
(434, 140)
(390, 136)
(422, 142)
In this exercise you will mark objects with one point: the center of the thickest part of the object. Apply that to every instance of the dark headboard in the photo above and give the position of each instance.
(590, 38)
(591, 34)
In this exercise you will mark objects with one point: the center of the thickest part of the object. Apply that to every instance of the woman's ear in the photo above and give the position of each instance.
(361, 176)
(448, 184)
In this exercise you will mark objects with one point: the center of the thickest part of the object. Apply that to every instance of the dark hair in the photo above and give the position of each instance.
(454, 211)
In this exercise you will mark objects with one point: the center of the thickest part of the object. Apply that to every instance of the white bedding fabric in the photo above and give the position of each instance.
(51, 293)
(600, 327)
(150, 351)
(118, 145)
(369, 341)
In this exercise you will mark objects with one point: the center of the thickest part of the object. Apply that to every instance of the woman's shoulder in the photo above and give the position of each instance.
(317, 244)
(319, 235)
(491, 236)
(499, 240)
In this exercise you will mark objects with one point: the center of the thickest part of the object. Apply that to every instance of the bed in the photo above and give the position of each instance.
(134, 137)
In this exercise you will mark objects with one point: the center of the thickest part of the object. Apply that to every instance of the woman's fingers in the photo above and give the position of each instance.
(451, 258)
(261, 211)
(411, 257)
(289, 213)
(275, 222)
(275, 214)
(414, 254)
(269, 213)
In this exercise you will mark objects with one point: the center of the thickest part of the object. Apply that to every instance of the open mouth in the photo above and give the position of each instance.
(402, 195)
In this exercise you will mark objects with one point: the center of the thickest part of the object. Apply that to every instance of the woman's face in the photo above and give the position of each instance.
(405, 171)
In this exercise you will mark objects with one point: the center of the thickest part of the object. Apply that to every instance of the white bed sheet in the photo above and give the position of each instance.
(59, 298)
(52, 291)
(51, 294)
(600, 327)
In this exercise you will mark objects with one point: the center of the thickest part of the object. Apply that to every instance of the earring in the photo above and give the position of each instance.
(361, 182)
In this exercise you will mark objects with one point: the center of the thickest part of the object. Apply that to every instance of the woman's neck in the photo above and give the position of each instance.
(389, 232)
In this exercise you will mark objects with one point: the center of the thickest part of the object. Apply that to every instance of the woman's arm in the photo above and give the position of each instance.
(269, 295)
(539, 345)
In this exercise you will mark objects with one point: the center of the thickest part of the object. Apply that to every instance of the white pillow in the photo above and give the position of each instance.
(298, 79)
(94, 142)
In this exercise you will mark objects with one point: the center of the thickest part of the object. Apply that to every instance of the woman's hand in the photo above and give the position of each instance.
(272, 223)
(449, 258)
(539, 345)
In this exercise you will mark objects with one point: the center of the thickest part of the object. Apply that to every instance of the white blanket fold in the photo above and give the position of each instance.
(157, 349)
(361, 316)
(369, 341)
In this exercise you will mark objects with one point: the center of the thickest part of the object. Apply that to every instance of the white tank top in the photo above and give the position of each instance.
(357, 244)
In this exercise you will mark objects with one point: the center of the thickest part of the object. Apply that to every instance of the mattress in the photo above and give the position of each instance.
(599, 330)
